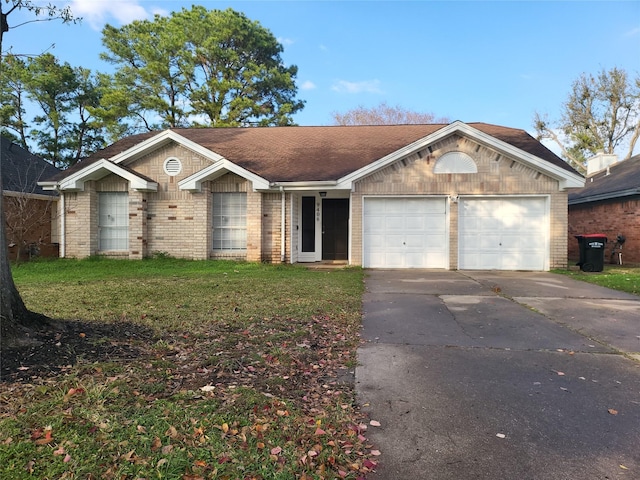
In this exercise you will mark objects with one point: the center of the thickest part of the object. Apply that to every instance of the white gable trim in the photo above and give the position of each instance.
(566, 179)
(162, 138)
(98, 170)
(194, 182)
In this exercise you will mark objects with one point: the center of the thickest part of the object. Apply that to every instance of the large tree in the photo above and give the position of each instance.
(601, 113)
(384, 114)
(13, 313)
(198, 67)
(60, 125)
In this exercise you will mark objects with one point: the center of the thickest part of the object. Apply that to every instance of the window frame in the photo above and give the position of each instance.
(229, 222)
(120, 218)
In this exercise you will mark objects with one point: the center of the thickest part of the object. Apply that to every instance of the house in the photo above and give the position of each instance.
(30, 211)
(609, 203)
(456, 196)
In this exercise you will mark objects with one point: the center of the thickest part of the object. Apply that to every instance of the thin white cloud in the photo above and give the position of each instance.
(366, 86)
(308, 85)
(633, 32)
(323, 48)
(98, 12)
(285, 41)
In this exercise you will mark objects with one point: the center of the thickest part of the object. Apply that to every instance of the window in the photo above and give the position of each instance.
(230, 221)
(113, 221)
(455, 162)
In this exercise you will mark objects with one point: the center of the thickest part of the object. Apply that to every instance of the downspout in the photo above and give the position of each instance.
(63, 222)
(282, 224)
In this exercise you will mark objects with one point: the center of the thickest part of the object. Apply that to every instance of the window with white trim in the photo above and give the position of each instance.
(113, 221)
(229, 222)
(455, 162)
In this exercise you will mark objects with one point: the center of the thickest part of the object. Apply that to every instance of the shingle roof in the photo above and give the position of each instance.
(622, 179)
(290, 154)
(22, 170)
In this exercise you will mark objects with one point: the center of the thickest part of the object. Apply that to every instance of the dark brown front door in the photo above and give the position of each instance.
(335, 228)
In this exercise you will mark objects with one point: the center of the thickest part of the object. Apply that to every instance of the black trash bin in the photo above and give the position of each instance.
(591, 252)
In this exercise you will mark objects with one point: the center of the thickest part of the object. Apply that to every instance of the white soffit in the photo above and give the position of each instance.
(193, 183)
(101, 169)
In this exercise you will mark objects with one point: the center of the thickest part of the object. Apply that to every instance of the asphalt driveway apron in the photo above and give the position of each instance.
(501, 375)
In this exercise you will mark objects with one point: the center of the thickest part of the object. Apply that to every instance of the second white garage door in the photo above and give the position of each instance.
(503, 233)
(405, 232)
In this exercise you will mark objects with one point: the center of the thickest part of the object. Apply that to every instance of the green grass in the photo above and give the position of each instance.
(270, 342)
(625, 279)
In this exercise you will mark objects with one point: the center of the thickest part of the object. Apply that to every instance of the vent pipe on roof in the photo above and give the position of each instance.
(599, 162)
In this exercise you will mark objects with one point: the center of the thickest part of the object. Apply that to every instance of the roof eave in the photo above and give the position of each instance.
(193, 183)
(306, 186)
(605, 196)
(96, 171)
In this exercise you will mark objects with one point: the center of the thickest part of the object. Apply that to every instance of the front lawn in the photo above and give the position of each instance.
(187, 370)
(626, 279)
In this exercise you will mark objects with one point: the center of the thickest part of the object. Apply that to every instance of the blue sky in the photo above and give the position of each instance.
(475, 61)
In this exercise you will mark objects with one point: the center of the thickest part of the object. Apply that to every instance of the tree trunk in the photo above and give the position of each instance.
(14, 316)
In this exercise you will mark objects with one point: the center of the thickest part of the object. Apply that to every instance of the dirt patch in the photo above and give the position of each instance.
(58, 346)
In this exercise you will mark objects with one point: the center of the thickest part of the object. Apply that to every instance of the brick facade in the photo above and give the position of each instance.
(179, 222)
(497, 175)
(612, 218)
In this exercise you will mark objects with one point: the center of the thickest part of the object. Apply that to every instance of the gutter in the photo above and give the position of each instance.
(282, 224)
(605, 196)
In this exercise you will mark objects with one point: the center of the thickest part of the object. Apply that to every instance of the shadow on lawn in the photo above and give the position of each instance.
(60, 344)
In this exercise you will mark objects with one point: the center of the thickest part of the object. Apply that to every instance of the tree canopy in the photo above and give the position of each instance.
(198, 67)
(601, 113)
(59, 125)
(383, 114)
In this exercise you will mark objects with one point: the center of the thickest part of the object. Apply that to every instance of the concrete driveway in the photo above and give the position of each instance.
(500, 375)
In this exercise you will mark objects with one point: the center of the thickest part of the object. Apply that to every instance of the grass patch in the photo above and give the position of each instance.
(625, 279)
(168, 368)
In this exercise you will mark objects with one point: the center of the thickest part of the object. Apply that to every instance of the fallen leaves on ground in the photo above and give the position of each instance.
(298, 368)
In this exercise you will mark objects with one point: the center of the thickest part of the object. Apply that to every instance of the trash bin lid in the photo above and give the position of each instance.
(592, 235)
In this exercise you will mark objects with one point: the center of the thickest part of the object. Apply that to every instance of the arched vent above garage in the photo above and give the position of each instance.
(455, 162)
(172, 166)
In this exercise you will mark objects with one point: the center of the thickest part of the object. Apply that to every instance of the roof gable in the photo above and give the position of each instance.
(516, 143)
(98, 170)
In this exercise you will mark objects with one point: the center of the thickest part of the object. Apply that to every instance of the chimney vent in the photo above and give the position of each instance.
(601, 161)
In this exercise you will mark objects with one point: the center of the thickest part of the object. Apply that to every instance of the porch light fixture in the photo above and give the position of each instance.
(323, 194)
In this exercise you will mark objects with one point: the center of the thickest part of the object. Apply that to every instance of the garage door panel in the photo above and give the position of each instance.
(509, 233)
(411, 233)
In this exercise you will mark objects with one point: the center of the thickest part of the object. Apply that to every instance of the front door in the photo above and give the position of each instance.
(335, 228)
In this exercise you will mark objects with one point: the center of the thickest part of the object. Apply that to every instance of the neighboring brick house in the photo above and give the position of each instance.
(30, 211)
(456, 196)
(609, 203)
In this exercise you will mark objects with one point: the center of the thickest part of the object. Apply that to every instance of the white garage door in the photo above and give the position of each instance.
(503, 233)
(405, 232)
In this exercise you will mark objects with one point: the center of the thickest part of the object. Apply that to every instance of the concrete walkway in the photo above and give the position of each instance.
(501, 375)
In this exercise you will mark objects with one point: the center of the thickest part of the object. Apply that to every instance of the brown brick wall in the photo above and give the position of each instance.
(611, 218)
